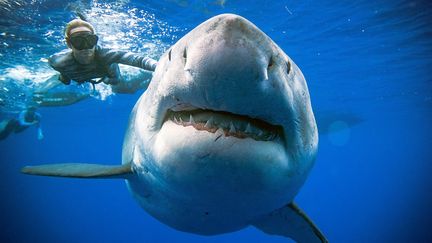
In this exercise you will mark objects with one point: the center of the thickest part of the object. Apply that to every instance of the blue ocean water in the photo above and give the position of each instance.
(367, 64)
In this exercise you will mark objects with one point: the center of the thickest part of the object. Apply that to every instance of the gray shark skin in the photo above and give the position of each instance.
(223, 138)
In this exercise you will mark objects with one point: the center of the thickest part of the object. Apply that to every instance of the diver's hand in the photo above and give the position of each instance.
(111, 81)
(64, 80)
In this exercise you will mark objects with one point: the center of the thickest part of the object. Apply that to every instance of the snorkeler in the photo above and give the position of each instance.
(26, 119)
(87, 61)
(46, 94)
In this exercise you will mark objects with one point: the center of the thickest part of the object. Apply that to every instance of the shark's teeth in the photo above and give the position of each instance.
(260, 133)
(220, 131)
(248, 128)
(232, 128)
(226, 123)
(209, 123)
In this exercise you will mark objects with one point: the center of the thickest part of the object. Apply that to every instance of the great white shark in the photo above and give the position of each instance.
(223, 138)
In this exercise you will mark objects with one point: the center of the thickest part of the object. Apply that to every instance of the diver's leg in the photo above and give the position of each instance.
(59, 98)
(7, 127)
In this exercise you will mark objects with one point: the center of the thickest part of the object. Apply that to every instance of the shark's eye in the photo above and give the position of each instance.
(185, 54)
(288, 67)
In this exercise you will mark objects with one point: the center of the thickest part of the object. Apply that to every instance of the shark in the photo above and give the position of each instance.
(223, 138)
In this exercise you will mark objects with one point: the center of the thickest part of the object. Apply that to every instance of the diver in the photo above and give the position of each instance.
(45, 94)
(26, 119)
(87, 61)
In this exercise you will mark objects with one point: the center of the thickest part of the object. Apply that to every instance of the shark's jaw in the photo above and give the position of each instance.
(214, 171)
(226, 124)
(212, 156)
(214, 137)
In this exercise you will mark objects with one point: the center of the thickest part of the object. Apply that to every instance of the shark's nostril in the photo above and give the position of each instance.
(288, 67)
(270, 64)
(185, 55)
(269, 67)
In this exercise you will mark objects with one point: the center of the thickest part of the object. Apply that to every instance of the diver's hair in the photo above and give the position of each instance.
(77, 23)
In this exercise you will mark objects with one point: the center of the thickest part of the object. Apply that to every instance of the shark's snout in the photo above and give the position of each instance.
(223, 66)
(231, 50)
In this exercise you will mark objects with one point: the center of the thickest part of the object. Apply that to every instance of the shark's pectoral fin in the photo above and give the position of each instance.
(292, 222)
(80, 170)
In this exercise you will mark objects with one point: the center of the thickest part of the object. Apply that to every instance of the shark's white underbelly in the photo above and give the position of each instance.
(224, 188)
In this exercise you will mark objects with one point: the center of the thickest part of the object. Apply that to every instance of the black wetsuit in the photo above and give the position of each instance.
(105, 65)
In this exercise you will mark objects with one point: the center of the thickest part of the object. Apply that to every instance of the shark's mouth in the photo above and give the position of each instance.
(229, 124)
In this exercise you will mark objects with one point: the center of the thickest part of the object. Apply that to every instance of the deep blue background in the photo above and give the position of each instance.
(367, 64)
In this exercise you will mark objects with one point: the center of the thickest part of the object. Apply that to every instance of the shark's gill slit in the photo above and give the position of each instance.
(227, 123)
(169, 55)
(288, 67)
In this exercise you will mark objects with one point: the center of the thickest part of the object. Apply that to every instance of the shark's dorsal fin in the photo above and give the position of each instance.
(290, 221)
(76, 170)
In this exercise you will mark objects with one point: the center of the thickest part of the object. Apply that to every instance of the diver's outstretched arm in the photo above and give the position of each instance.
(129, 58)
